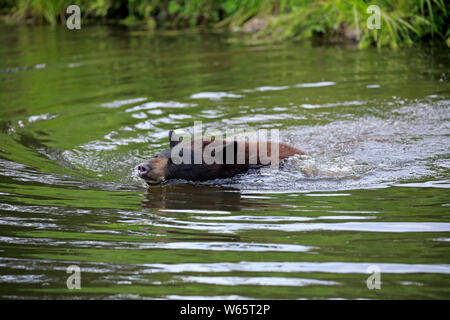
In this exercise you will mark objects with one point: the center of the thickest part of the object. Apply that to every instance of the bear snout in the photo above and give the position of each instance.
(144, 169)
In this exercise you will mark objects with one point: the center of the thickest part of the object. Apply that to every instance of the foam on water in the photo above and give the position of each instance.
(215, 95)
(374, 150)
(406, 140)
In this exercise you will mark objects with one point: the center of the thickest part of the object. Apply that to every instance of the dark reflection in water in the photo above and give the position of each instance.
(192, 197)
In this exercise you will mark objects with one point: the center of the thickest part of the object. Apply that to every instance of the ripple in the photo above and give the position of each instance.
(155, 104)
(223, 267)
(326, 267)
(228, 246)
(18, 69)
(396, 227)
(28, 222)
(42, 209)
(336, 104)
(427, 184)
(259, 118)
(258, 281)
(98, 145)
(24, 278)
(300, 85)
(46, 116)
(315, 84)
(215, 95)
(442, 239)
(119, 103)
(139, 115)
(255, 197)
(270, 88)
(282, 218)
(195, 211)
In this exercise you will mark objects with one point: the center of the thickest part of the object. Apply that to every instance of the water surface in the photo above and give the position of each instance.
(80, 109)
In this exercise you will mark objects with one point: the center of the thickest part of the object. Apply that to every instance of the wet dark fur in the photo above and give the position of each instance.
(162, 168)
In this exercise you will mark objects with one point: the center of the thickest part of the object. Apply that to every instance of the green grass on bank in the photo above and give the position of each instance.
(403, 22)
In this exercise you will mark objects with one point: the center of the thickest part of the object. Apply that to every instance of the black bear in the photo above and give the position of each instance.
(200, 160)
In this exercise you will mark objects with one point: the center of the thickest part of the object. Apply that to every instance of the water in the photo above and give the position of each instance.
(80, 109)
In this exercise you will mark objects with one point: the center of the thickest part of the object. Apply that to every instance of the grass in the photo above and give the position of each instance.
(403, 22)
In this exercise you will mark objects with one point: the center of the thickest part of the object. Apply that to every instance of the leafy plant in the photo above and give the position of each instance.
(403, 22)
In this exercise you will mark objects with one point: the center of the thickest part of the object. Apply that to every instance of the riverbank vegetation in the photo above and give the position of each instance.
(402, 22)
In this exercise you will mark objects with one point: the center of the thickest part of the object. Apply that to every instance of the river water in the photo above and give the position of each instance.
(79, 110)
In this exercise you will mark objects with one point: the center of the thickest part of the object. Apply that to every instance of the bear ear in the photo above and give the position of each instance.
(174, 139)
